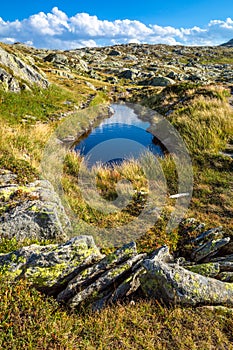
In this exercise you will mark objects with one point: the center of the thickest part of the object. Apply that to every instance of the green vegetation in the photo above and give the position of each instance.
(33, 106)
(30, 321)
(203, 117)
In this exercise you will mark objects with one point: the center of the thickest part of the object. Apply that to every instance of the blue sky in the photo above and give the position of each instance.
(62, 24)
(174, 13)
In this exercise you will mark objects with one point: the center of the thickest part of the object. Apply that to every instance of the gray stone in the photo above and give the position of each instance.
(114, 53)
(226, 265)
(226, 258)
(208, 270)
(125, 289)
(162, 254)
(209, 248)
(81, 66)
(174, 284)
(90, 85)
(57, 58)
(104, 281)
(226, 276)
(92, 273)
(128, 74)
(8, 82)
(158, 81)
(207, 235)
(7, 178)
(49, 268)
(32, 211)
(21, 71)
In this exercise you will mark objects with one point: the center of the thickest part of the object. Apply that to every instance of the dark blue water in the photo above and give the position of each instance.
(120, 137)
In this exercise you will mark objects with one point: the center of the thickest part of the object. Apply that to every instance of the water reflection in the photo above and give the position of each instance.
(117, 138)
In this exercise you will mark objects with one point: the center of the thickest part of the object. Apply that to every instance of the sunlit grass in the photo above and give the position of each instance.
(30, 321)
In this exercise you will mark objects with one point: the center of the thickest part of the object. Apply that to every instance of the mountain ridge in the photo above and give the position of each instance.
(228, 43)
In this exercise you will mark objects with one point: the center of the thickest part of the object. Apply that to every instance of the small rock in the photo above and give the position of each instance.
(114, 53)
(158, 81)
(209, 248)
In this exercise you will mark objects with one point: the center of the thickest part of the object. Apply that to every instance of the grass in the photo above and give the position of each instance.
(91, 192)
(30, 321)
(212, 200)
(203, 117)
(33, 106)
(205, 125)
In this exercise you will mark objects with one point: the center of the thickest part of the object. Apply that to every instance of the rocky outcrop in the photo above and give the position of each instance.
(8, 82)
(15, 73)
(57, 58)
(67, 62)
(130, 74)
(147, 65)
(50, 268)
(76, 273)
(175, 284)
(30, 211)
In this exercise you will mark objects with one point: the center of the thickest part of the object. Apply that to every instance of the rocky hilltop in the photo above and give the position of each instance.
(131, 65)
(228, 44)
(190, 85)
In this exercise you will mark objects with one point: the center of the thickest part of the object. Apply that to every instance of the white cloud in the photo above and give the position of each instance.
(228, 24)
(9, 40)
(57, 30)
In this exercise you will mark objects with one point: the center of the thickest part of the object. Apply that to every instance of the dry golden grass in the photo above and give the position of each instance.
(29, 321)
(205, 125)
(25, 142)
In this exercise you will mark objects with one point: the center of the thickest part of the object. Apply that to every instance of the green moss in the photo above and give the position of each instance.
(111, 258)
(46, 276)
(177, 277)
(208, 270)
(84, 273)
(119, 270)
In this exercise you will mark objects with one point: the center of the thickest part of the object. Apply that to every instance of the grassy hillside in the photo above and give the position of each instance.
(203, 117)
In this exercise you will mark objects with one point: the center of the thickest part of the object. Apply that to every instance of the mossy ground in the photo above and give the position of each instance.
(203, 117)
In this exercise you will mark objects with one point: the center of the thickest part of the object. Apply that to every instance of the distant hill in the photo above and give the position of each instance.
(229, 43)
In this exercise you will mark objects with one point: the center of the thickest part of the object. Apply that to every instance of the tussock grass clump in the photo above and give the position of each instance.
(128, 179)
(21, 148)
(205, 125)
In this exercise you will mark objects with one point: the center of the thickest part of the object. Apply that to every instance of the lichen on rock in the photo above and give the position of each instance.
(31, 211)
